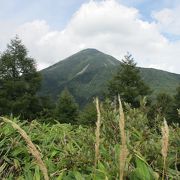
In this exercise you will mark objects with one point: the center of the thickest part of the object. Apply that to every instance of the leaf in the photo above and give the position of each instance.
(16, 163)
(60, 177)
(54, 153)
(143, 171)
(101, 167)
(37, 174)
(101, 172)
(3, 142)
(19, 150)
(78, 176)
(2, 167)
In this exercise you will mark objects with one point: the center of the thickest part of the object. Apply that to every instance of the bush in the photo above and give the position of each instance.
(68, 150)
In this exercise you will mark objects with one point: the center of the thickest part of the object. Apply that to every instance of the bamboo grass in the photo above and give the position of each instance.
(32, 148)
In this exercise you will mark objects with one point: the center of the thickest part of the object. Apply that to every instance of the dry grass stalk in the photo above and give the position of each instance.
(123, 148)
(165, 143)
(97, 132)
(31, 147)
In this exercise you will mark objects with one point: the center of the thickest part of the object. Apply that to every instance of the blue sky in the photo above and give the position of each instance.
(55, 12)
(58, 12)
(41, 22)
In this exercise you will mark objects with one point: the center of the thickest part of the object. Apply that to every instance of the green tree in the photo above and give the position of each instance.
(89, 115)
(47, 112)
(160, 109)
(66, 108)
(128, 83)
(173, 115)
(19, 82)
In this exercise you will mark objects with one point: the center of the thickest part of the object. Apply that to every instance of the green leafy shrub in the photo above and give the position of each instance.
(68, 150)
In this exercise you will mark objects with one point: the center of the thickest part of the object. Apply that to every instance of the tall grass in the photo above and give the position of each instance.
(165, 143)
(32, 148)
(123, 146)
(108, 162)
(97, 132)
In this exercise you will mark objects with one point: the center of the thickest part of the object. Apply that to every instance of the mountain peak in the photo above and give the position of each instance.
(90, 51)
(87, 72)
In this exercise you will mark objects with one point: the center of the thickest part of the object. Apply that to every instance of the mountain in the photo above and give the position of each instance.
(160, 81)
(87, 72)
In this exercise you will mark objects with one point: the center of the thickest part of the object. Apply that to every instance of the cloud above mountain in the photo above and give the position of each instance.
(168, 20)
(110, 27)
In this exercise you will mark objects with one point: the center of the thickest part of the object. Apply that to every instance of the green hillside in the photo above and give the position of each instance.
(160, 81)
(87, 72)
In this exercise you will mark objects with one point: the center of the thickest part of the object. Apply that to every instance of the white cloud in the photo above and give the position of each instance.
(161, 66)
(168, 20)
(107, 26)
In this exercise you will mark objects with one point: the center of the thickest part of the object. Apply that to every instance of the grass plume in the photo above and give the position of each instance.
(165, 143)
(123, 148)
(32, 148)
(97, 132)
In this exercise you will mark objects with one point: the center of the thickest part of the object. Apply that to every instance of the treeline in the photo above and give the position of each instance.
(20, 82)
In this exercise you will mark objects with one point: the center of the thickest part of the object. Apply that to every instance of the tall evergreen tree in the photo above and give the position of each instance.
(89, 115)
(174, 116)
(128, 83)
(19, 82)
(160, 109)
(66, 108)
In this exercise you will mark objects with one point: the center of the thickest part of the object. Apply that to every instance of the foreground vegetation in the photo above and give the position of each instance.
(68, 151)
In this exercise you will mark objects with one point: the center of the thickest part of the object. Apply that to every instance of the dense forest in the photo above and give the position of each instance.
(123, 134)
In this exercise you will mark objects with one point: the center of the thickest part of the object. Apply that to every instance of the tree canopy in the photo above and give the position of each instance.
(128, 83)
(89, 114)
(173, 115)
(19, 81)
(66, 108)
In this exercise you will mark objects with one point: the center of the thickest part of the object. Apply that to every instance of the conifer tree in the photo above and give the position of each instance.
(173, 115)
(89, 115)
(66, 108)
(19, 82)
(160, 109)
(128, 83)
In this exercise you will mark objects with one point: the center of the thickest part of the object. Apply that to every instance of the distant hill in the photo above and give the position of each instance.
(87, 72)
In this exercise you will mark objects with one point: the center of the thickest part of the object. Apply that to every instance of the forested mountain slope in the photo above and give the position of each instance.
(87, 72)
